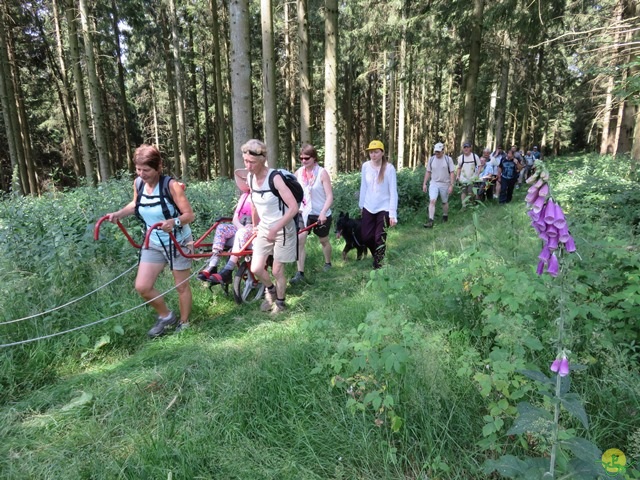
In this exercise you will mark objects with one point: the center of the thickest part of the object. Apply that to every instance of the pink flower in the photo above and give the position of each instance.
(563, 234)
(550, 211)
(559, 220)
(538, 205)
(544, 190)
(553, 243)
(545, 254)
(551, 231)
(540, 268)
(560, 366)
(531, 197)
(570, 245)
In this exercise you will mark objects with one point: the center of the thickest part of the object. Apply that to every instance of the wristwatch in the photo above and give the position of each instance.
(177, 221)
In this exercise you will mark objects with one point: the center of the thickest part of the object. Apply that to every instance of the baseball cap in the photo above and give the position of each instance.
(375, 145)
(466, 144)
(535, 146)
(438, 147)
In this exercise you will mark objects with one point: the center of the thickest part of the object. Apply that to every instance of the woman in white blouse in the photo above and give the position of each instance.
(378, 201)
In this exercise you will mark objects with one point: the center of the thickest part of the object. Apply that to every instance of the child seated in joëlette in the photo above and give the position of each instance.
(236, 233)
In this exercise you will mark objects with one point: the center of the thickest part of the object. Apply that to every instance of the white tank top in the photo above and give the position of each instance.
(313, 188)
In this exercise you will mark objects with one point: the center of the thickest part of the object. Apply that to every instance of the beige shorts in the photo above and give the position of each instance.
(284, 249)
(158, 254)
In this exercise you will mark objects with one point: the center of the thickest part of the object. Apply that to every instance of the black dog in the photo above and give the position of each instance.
(349, 229)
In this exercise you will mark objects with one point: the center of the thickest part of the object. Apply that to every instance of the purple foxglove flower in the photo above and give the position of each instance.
(552, 242)
(550, 211)
(555, 366)
(559, 221)
(540, 268)
(544, 190)
(551, 231)
(539, 183)
(570, 245)
(533, 215)
(545, 254)
(563, 234)
(543, 236)
(538, 205)
(552, 266)
(563, 369)
(540, 226)
(531, 197)
(533, 188)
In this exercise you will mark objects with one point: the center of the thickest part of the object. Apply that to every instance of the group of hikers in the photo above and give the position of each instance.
(492, 174)
(269, 210)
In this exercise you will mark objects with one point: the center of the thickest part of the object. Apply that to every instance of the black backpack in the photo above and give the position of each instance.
(164, 198)
(290, 181)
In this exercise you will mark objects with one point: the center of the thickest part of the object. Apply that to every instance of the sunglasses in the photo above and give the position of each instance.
(253, 154)
(302, 157)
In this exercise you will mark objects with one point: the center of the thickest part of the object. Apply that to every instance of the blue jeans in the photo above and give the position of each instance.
(506, 189)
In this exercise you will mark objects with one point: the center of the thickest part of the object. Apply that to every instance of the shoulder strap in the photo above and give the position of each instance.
(139, 189)
(165, 195)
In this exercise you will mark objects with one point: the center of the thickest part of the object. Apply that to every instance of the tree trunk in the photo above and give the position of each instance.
(330, 84)
(269, 83)
(289, 79)
(217, 72)
(501, 107)
(70, 119)
(95, 94)
(85, 139)
(171, 91)
(200, 167)
(305, 74)
(469, 116)
(392, 109)
(491, 121)
(635, 149)
(241, 104)
(10, 116)
(207, 117)
(124, 108)
(180, 90)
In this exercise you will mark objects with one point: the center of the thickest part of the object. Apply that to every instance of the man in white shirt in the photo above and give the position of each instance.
(467, 164)
(441, 172)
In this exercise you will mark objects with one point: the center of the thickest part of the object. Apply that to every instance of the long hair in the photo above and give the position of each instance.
(383, 167)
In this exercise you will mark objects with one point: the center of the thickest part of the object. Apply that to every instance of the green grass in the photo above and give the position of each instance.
(243, 395)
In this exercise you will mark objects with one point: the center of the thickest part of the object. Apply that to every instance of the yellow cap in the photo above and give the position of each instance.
(376, 145)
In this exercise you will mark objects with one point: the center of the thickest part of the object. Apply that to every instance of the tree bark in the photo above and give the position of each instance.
(501, 107)
(305, 74)
(200, 167)
(180, 90)
(469, 116)
(81, 102)
(330, 84)
(124, 108)
(171, 91)
(217, 73)
(95, 95)
(269, 84)
(241, 103)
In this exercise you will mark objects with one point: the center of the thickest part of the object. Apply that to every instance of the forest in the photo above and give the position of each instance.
(83, 83)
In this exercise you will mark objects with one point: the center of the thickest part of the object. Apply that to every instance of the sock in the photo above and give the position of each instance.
(230, 265)
(168, 316)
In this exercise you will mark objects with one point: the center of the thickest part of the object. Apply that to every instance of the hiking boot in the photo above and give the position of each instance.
(182, 327)
(225, 276)
(429, 223)
(327, 267)
(269, 299)
(278, 307)
(297, 278)
(205, 274)
(445, 218)
(162, 325)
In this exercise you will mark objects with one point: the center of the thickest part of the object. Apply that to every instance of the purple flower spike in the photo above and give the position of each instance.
(563, 369)
(570, 245)
(540, 226)
(555, 366)
(538, 204)
(540, 268)
(531, 197)
(550, 211)
(544, 190)
(552, 242)
(545, 254)
(552, 267)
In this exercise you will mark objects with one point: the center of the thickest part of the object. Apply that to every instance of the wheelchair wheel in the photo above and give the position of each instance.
(245, 288)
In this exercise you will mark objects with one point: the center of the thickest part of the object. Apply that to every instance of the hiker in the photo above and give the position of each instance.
(467, 164)
(483, 174)
(171, 208)
(496, 158)
(275, 221)
(378, 201)
(237, 232)
(316, 207)
(507, 176)
(441, 172)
